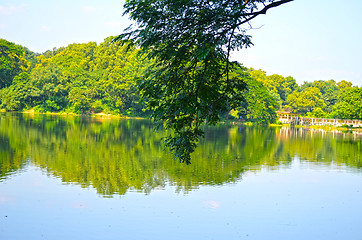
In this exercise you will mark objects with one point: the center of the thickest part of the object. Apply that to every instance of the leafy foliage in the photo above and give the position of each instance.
(80, 78)
(88, 78)
(259, 103)
(280, 87)
(351, 104)
(12, 62)
(192, 81)
(20, 94)
(306, 100)
(260, 106)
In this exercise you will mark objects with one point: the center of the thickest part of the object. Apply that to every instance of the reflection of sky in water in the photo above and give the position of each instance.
(245, 183)
(301, 201)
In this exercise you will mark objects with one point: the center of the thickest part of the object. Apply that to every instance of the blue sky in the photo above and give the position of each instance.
(306, 39)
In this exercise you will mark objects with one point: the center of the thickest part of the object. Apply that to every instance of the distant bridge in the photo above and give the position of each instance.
(296, 119)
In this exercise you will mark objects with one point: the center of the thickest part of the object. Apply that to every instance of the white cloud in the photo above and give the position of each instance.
(59, 6)
(89, 9)
(11, 9)
(45, 28)
(6, 200)
(115, 24)
(212, 204)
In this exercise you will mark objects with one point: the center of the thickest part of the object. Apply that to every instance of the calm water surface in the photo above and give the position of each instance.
(86, 178)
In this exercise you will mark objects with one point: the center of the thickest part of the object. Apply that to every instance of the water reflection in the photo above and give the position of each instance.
(115, 156)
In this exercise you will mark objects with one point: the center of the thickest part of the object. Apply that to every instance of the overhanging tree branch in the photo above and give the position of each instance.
(263, 11)
(191, 42)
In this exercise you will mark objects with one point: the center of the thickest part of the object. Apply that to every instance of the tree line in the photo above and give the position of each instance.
(105, 77)
(79, 78)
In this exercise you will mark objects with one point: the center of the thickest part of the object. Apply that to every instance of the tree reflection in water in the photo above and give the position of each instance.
(115, 156)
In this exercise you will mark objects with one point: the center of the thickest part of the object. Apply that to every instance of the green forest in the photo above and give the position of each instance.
(103, 78)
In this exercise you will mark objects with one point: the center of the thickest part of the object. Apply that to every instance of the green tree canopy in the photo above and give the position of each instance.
(259, 104)
(280, 87)
(20, 94)
(191, 40)
(12, 62)
(307, 100)
(79, 78)
(328, 89)
(351, 104)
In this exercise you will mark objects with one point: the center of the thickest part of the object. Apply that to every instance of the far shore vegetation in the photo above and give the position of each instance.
(102, 80)
(232, 121)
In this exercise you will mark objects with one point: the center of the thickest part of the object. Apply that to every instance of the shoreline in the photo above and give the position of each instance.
(102, 115)
(71, 114)
(328, 128)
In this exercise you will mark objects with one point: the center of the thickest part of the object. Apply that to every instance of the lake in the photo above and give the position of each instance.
(87, 178)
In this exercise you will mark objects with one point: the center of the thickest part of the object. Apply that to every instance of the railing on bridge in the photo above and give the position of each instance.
(296, 119)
